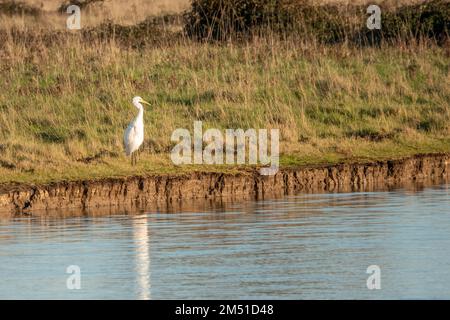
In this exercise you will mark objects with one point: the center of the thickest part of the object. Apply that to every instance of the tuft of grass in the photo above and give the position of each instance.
(10, 8)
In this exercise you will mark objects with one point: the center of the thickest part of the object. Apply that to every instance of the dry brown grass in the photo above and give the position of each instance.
(127, 13)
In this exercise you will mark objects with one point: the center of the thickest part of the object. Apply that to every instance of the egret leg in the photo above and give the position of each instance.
(140, 151)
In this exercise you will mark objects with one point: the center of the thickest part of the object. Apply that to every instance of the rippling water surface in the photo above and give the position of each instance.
(308, 246)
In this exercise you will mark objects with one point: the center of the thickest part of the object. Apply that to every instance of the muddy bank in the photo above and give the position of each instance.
(170, 190)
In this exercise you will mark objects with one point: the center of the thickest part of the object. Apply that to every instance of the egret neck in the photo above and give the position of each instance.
(140, 116)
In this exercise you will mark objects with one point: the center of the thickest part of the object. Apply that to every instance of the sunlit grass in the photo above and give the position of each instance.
(63, 107)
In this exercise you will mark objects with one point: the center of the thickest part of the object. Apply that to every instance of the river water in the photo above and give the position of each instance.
(310, 246)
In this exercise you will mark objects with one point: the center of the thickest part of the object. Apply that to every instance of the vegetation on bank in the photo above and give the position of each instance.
(331, 23)
(65, 98)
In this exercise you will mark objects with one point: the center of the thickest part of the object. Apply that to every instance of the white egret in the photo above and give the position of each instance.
(134, 134)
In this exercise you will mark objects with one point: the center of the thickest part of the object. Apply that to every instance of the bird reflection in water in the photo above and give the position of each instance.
(142, 257)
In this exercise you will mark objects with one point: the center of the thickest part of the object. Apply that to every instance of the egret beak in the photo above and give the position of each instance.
(147, 103)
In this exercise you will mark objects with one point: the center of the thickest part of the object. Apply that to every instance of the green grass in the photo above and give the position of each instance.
(61, 105)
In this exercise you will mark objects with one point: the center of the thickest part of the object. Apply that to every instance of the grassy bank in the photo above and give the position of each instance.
(64, 106)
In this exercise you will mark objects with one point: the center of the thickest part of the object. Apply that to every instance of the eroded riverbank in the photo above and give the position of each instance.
(170, 190)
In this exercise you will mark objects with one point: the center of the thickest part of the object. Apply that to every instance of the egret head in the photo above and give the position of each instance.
(137, 101)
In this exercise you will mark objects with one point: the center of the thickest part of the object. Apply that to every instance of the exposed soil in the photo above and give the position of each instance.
(170, 190)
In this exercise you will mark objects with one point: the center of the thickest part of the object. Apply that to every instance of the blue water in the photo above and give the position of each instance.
(315, 246)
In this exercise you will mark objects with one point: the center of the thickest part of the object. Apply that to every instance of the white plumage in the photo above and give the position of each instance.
(134, 134)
